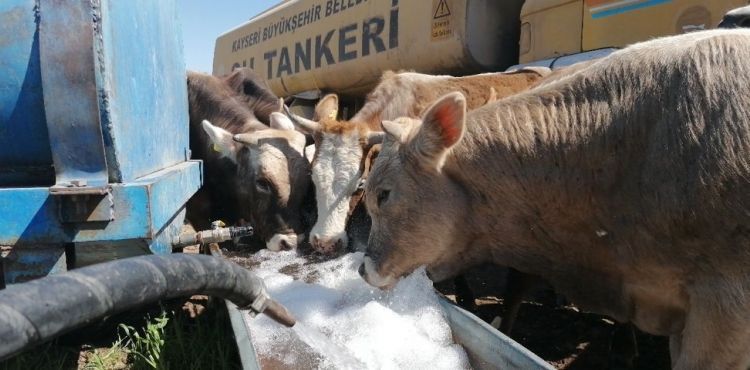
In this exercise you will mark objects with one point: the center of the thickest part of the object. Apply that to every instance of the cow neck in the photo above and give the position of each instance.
(509, 144)
(369, 116)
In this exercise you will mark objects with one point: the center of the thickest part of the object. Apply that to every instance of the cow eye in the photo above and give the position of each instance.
(383, 196)
(263, 185)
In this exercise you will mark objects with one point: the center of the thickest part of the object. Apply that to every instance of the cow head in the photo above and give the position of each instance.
(337, 168)
(416, 209)
(273, 177)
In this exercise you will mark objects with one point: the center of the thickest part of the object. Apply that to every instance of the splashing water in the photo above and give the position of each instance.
(343, 323)
(332, 351)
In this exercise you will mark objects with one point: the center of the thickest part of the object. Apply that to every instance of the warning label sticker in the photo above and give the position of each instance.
(441, 10)
(441, 20)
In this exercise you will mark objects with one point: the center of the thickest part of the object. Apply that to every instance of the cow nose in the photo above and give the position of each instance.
(325, 245)
(283, 242)
(328, 244)
(362, 270)
(285, 246)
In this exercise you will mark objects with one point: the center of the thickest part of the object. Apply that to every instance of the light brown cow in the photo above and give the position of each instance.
(252, 171)
(341, 145)
(626, 187)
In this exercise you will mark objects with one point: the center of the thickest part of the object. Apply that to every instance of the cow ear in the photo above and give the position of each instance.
(221, 140)
(280, 121)
(327, 108)
(394, 130)
(443, 126)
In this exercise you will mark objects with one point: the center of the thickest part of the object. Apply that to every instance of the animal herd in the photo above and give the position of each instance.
(622, 182)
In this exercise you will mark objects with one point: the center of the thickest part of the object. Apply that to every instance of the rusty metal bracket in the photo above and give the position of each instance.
(84, 204)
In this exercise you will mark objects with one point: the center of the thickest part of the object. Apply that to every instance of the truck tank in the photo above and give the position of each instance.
(344, 45)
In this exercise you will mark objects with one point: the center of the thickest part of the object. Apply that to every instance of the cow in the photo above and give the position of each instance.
(341, 146)
(625, 187)
(253, 172)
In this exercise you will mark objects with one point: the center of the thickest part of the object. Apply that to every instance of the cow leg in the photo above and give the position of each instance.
(517, 287)
(464, 296)
(716, 333)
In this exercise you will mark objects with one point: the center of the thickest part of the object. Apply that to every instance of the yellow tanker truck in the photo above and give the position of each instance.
(308, 46)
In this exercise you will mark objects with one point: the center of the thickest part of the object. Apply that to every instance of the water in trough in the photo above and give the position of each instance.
(343, 323)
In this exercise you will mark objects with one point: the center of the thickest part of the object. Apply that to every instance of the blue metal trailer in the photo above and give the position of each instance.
(94, 149)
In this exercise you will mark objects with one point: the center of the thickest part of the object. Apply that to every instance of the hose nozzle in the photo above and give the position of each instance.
(279, 314)
(263, 303)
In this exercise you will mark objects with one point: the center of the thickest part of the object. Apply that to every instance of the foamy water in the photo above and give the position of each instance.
(343, 323)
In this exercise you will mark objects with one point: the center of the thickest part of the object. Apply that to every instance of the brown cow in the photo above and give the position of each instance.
(252, 171)
(626, 187)
(341, 145)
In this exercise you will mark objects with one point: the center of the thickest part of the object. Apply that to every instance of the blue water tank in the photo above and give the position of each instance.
(94, 147)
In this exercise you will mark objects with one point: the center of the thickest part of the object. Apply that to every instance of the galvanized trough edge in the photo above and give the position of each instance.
(487, 347)
(248, 356)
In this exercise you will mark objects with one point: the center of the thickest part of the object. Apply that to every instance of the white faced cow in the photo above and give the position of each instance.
(341, 146)
(253, 172)
(626, 186)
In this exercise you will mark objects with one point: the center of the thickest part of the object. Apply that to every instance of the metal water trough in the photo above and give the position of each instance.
(487, 348)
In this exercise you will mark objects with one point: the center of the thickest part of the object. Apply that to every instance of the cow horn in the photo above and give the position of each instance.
(303, 124)
(280, 121)
(248, 139)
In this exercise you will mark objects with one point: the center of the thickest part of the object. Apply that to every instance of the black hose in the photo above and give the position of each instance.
(39, 310)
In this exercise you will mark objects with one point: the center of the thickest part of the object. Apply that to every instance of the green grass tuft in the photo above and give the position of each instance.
(161, 338)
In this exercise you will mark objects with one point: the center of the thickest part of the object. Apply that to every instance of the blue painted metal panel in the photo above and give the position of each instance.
(139, 77)
(31, 215)
(162, 243)
(25, 157)
(142, 73)
(67, 65)
(24, 264)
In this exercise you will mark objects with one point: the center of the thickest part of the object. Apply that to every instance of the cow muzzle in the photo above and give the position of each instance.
(370, 274)
(328, 245)
(283, 242)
